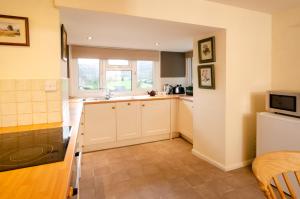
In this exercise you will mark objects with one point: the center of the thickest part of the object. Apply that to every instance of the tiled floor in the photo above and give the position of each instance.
(166, 170)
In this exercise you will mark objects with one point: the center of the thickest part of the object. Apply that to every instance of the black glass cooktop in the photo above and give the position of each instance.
(32, 148)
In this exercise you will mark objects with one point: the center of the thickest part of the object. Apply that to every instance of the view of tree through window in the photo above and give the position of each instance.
(145, 74)
(88, 74)
(118, 81)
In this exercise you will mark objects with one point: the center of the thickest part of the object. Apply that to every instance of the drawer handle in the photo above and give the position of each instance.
(113, 107)
(128, 104)
(143, 104)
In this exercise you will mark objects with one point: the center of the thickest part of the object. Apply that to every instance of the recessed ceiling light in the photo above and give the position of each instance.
(90, 38)
(156, 44)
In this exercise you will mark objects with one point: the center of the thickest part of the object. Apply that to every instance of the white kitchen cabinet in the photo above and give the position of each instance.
(155, 117)
(100, 123)
(128, 120)
(185, 118)
(174, 115)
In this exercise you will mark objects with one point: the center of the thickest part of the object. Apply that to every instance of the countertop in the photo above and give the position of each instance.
(48, 181)
(136, 98)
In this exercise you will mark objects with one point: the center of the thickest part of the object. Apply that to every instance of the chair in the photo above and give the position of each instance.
(272, 167)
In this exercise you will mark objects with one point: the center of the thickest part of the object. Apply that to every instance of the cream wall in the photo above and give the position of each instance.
(209, 106)
(248, 64)
(286, 50)
(42, 59)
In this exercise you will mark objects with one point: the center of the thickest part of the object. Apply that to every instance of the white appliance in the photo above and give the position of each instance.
(277, 132)
(283, 102)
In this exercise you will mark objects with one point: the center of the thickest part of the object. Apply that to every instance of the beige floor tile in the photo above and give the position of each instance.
(161, 170)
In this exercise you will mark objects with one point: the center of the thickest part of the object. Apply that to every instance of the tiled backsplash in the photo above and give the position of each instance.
(25, 102)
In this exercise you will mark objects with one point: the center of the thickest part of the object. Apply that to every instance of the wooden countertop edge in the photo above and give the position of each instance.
(140, 99)
(71, 146)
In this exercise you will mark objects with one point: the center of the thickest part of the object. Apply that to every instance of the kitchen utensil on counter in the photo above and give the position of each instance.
(152, 93)
(168, 89)
(189, 90)
(178, 89)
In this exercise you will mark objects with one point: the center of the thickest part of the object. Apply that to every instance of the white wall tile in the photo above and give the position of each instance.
(23, 85)
(24, 107)
(54, 117)
(9, 109)
(38, 96)
(54, 96)
(39, 118)
(39, 107)
(25, 102)
(7, 85)
(23, 96)
(9, 120)
(38, 84)
(7, 96)
(25, 119)
(54, 106)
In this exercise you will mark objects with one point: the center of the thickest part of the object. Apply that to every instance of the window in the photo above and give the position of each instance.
(88, 74)
(118, 80)
(118, 62)
(95, 76)
(144, 74)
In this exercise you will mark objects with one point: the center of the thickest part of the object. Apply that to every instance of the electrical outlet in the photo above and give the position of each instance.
(50, 85)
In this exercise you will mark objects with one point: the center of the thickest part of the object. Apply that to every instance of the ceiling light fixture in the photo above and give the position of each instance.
(89, 38)
(156, 44)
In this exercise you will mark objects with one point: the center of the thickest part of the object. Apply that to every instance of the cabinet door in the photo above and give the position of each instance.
(155, 117)
(128, 116)
(100, 123)
(185, 118)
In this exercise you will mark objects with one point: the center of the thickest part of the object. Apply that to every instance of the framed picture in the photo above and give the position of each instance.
(206, 50)
(64, 47)
(206, 76)
(14, 30)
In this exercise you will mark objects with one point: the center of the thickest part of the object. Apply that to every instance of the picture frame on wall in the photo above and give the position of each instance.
(206, 50)
(64, 43)
(206, 76)
(14, 30)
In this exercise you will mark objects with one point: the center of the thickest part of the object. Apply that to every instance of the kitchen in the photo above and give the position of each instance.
(99, 119)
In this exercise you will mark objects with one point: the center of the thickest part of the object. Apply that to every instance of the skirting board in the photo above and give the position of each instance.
(219, 165)
(122, 143)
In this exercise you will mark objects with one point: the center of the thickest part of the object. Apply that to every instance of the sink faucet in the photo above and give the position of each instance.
(108, 94)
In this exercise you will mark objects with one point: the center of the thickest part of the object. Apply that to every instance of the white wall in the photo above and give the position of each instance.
(41, 60)
(286, 50)
(248, 61)
(209, 106)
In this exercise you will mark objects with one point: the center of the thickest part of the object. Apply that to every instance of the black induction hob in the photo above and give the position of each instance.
(32, 148)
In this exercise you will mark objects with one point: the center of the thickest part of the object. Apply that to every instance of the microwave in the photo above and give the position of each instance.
(287, 103)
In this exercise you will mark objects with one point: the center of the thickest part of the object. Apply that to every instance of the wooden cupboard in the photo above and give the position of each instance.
(109, 125)
(128, 120)
(155, 117)
(100, 123)
(185, 118)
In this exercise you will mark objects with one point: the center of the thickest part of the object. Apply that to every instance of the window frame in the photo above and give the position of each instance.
(103, 67)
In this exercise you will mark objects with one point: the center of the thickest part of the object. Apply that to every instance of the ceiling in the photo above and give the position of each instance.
(268, 6)
(119, 31)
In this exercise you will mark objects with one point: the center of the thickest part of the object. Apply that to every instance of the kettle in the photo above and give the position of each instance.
(151, 93)
(178, 89)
